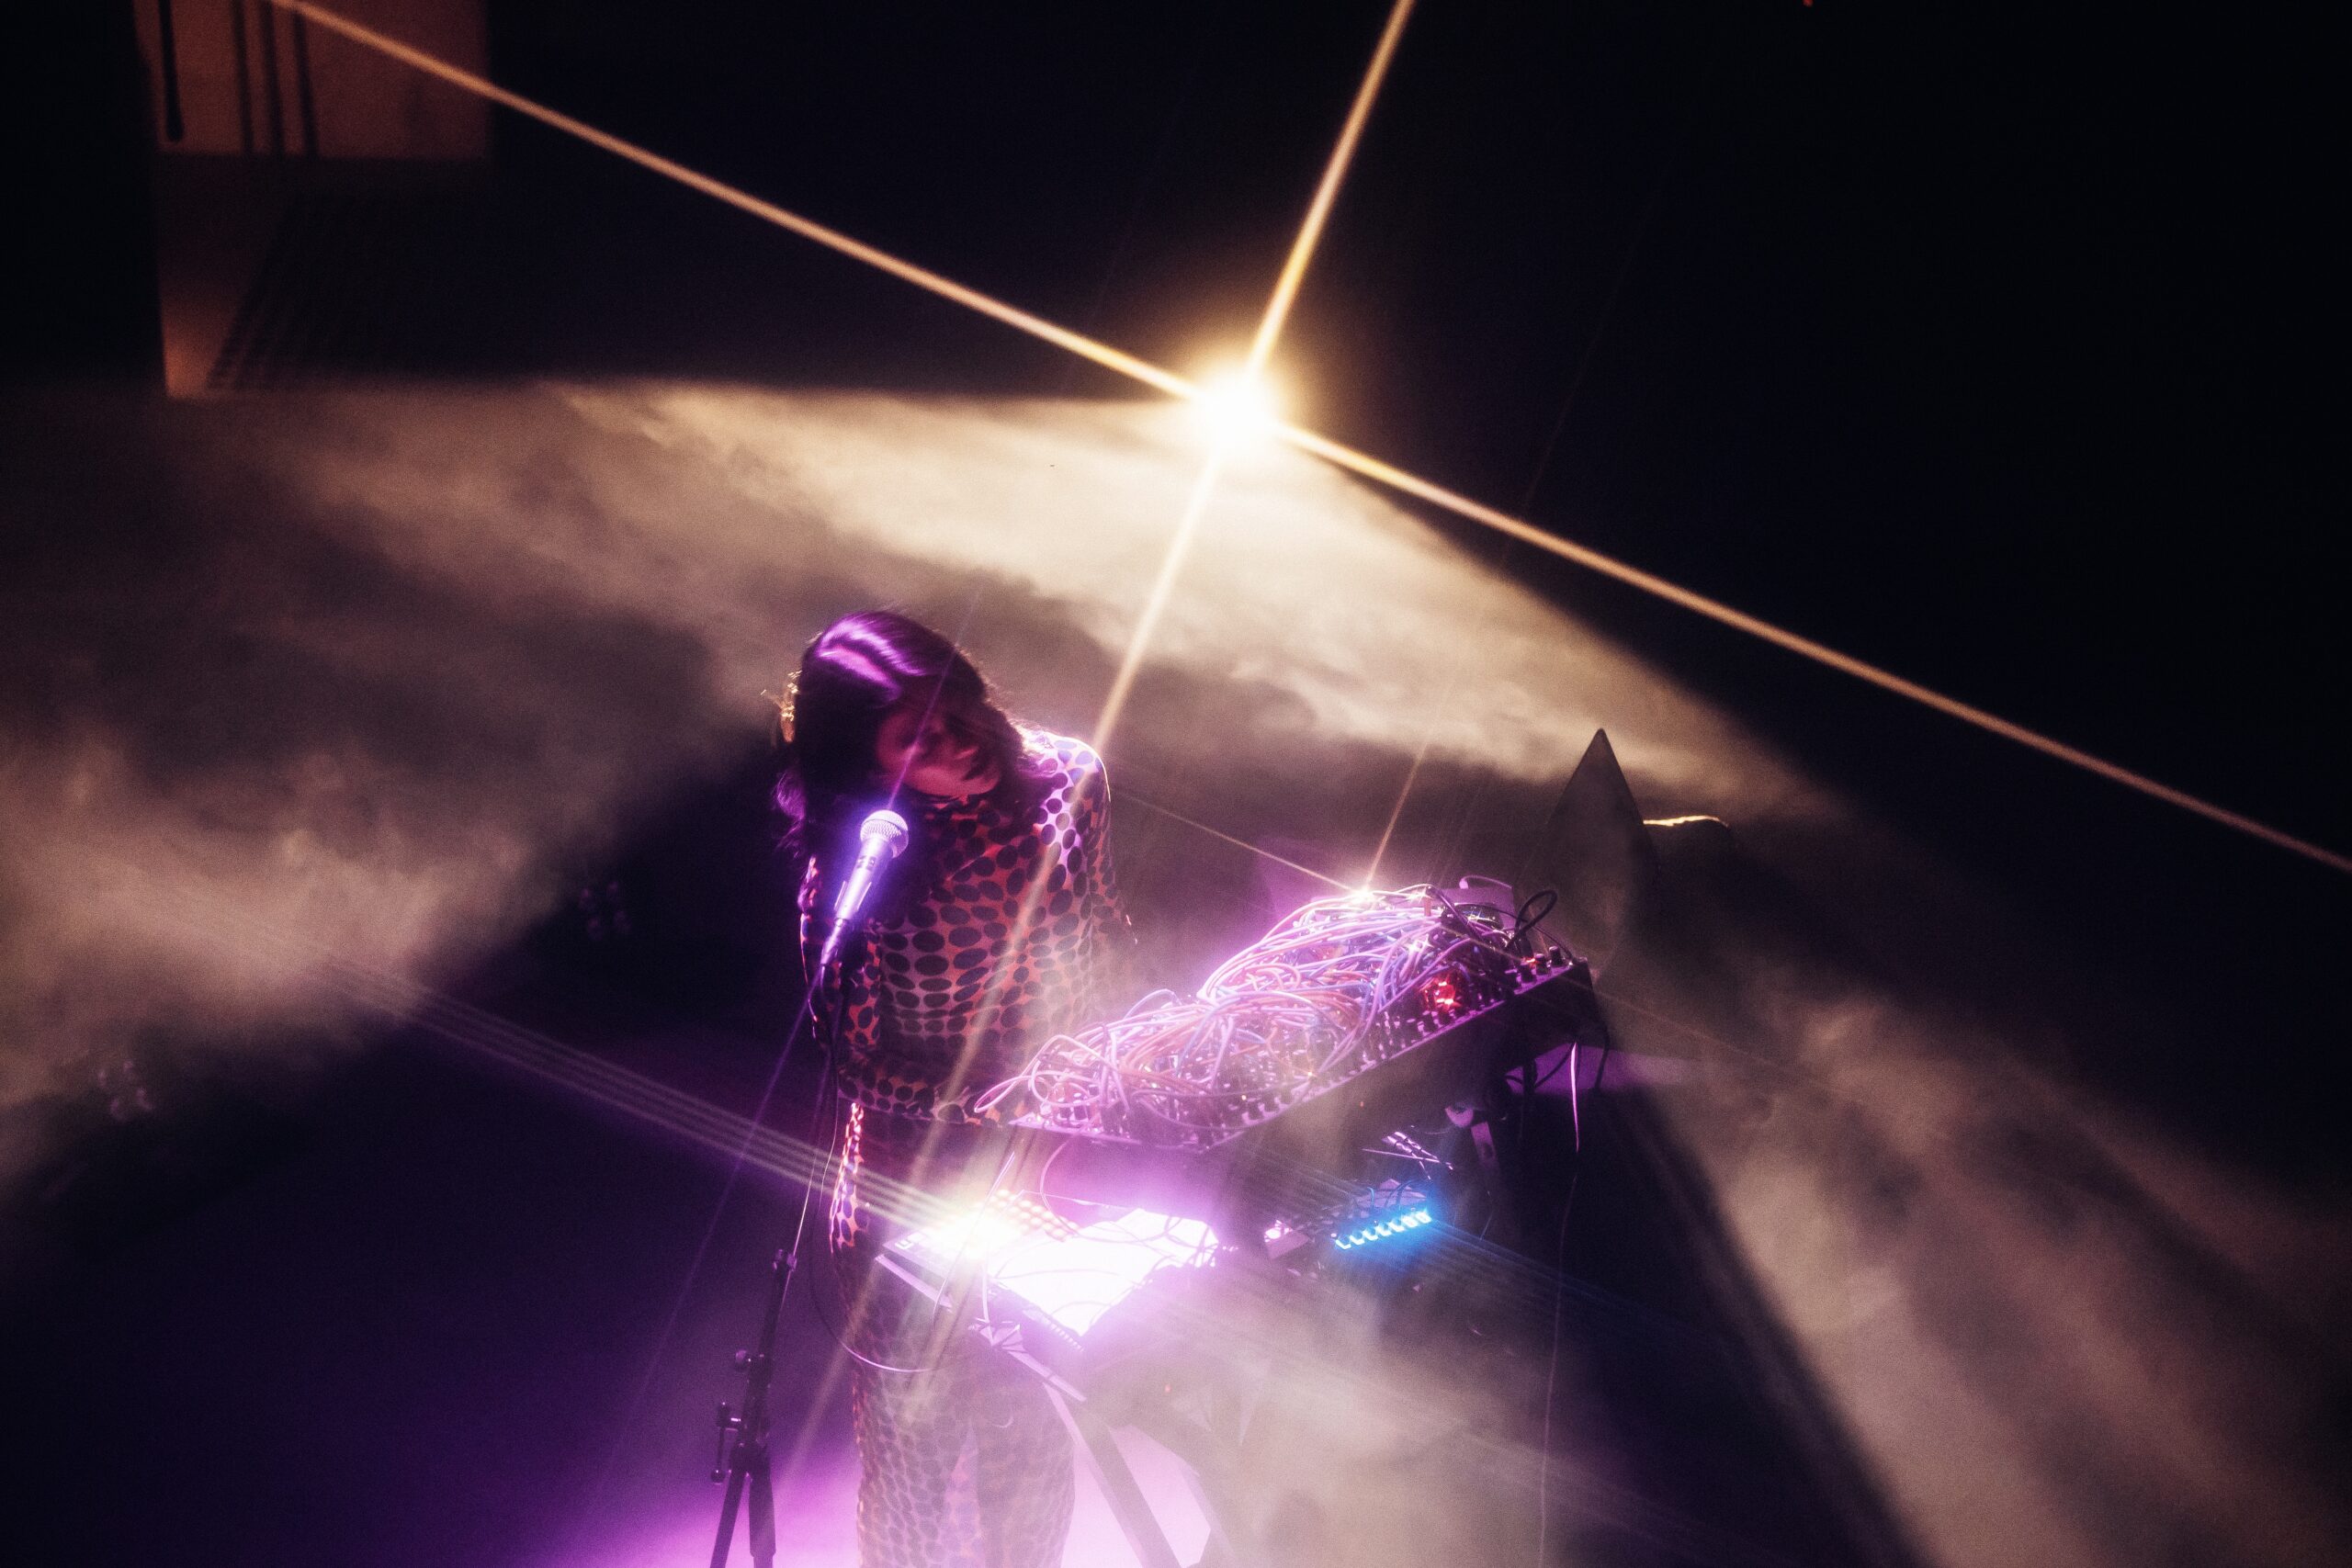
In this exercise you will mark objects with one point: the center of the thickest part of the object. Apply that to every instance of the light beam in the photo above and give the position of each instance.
(923, 277)
(1359, 463)
(1236, 406)
(1240, 396)
(1327, 192)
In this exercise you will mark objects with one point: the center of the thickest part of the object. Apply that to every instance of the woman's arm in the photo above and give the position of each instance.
(1110, 935)
(1106, 918)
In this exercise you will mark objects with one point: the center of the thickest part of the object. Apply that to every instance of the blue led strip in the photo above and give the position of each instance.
(1381, 1230)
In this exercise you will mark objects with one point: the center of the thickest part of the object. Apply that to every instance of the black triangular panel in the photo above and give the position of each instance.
(1594, 853)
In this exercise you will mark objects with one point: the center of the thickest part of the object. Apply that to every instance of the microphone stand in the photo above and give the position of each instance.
(742, 1461)
(745, 1467)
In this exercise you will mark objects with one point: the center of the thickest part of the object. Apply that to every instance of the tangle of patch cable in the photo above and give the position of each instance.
(1276, 1022)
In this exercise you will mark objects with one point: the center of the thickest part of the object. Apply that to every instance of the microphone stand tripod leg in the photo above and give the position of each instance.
(726, 1516)
(745, 1438)
(763, 1513)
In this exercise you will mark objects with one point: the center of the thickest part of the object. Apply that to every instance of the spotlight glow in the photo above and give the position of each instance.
(1323, 446)
(1071, 1274)
(1237, 406)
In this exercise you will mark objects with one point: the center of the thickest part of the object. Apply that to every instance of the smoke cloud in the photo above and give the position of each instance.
(306, 683)
(372, 669)
(2047, 1330)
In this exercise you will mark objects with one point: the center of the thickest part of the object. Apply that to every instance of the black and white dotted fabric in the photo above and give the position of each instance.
(1001, 946)
(1001, 950)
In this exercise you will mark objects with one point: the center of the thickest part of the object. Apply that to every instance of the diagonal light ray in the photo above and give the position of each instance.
(1261, 348)
(1327, 192)
(923, 277)
(1362, 464)
(747, 1140)
(1163, 586)
(1180, 543)
(1395, 812)
(1388, 474)
(1132, 798)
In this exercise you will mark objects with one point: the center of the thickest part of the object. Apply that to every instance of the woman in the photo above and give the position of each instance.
(986, 938)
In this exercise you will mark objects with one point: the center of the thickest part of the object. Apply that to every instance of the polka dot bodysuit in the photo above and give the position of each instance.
(951, 994)
(943, 970)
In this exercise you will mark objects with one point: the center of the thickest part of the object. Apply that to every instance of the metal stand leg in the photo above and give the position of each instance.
(747, 1480)
(1217, 1508)
(1109, 1466)
(743, 1439)
(1207, 1445)
(727, 1512)
(762, 1514)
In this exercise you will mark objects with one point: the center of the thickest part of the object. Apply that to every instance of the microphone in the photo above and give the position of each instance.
(879, 842)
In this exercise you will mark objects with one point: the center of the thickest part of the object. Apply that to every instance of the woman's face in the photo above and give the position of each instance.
(930, 753)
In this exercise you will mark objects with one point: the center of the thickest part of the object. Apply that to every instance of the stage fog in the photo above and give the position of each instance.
(307, 690)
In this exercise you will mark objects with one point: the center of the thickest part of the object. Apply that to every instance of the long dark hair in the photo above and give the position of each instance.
(857, 671)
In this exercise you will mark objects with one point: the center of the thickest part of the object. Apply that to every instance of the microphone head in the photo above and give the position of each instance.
(887, 826)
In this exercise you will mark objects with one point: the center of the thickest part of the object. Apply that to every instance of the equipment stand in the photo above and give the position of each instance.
(742, 1460)
(743, 1438)
(1100, 1451)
